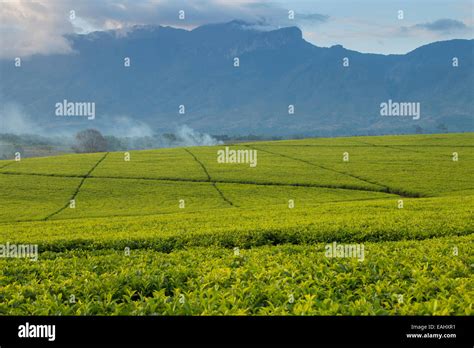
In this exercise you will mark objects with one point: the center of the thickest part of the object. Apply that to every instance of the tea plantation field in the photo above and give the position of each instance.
(175, 232)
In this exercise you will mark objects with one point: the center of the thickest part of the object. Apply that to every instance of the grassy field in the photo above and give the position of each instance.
(174, 232)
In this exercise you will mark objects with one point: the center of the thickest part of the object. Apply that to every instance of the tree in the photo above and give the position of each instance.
(116, 144)
(90, 140)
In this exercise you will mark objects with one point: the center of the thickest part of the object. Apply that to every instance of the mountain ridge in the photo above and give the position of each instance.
(195, 68)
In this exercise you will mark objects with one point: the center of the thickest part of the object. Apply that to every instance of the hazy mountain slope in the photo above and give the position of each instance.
(170, 67)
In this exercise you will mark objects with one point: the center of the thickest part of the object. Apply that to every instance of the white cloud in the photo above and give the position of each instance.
(30, 27)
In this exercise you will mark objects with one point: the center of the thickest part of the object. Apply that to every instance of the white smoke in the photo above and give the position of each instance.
(14, 120)
(130, 133)
(123, 126)
(187, 136)
(141, 135)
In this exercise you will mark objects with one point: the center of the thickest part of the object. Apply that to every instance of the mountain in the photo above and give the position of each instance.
(172, 67)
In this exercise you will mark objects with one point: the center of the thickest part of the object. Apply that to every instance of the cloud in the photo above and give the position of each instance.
(445, 25)
(313, 17)
(440, 26)
(40, 26)
(33, 27)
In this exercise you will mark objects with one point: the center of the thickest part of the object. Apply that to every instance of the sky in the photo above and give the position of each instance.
(30, 27)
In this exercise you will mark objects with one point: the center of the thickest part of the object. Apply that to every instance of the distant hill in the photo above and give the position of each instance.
(172, 67)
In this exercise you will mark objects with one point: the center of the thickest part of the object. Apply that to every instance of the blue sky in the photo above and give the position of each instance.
(38, 26)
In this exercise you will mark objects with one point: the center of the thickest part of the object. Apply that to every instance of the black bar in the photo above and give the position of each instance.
(241, 330)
